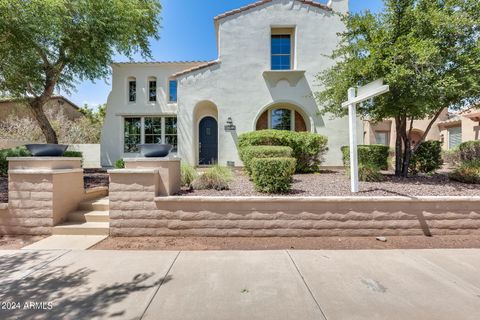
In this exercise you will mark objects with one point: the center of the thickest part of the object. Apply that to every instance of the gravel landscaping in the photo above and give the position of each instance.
(306, 243)
(336, 183)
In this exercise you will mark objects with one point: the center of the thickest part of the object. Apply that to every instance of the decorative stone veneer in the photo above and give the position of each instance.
(135, 211)
(41, 192)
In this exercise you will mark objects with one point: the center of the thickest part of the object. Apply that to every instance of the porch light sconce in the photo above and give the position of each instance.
(230, 126)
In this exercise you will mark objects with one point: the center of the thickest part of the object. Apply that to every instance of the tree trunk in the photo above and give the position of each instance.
(36, 106)
(398, 148)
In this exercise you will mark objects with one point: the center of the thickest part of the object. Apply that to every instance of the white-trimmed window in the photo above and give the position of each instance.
(152, 89)
(132, 89)
(139, 130)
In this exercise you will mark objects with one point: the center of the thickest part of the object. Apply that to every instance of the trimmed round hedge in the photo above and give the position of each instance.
(273, 175)
(308, 148)
(374, 155)
(470, 150)
(249, 153)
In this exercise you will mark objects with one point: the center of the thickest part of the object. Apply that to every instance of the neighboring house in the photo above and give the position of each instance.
(269, 53)
(464, 126)
(450, 129)
(57, 103)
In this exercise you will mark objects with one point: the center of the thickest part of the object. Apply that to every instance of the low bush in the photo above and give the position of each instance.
(374, 155)
(308, 148)
(469, 151)
(7, 153)
(188, 175)
(369, 173)
(467, 172)
(247, 154)
(273, 175)
(427, 158)
(73, 154)
(216, 177)
(119, 164)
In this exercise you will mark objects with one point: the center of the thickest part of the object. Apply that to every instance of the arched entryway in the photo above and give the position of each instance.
(206, 133)
(283, 116)
(207, 141)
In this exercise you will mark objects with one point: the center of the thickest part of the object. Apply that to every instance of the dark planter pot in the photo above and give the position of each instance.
(47, 150)
(153, 150)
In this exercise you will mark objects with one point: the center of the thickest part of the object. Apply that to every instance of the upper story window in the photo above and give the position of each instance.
(152, 89)
(172, 90)
(132, 89)
(282, 48)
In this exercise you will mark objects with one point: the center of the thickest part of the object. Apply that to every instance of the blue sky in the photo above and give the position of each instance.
(187, 34)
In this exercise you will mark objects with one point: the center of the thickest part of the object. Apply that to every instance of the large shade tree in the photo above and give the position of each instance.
(428, 51)
(52, 44)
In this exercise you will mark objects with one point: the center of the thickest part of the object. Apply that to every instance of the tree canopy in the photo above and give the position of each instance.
(51, 44)
(427, 51)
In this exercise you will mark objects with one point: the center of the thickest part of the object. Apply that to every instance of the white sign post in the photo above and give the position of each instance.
(366, 92)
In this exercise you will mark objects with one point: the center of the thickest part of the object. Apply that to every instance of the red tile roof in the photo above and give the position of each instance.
(199, 67)
(262, 2)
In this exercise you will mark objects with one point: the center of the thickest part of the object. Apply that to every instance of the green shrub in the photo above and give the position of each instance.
(374, 155)
(7, 153)
(427, 158)
(188, 175)
(216, 177)
(469, 150)
(273, 175)
(467, 172)
(247, 154)
(120, 164)
(369, 173)
(73, 154)
(308, 148)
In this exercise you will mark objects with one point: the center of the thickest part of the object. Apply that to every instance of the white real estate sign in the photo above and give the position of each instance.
(356, 96)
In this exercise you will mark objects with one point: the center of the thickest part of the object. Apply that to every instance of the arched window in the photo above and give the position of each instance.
(281, 118)
(152, 89)
(132, 89)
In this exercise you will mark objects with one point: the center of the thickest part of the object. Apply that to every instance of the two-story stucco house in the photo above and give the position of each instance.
(269, 53)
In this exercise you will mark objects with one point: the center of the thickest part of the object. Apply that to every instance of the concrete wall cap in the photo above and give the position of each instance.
(132, 171)
(318, 199)
(43, 158)
(44, 171)
(95, 190)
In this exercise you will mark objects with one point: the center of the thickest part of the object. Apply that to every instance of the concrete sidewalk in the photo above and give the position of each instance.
(400, 284)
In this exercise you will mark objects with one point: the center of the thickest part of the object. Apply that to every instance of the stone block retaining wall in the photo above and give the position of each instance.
(134, 211)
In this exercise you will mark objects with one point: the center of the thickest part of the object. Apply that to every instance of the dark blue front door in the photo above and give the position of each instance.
(208, 141)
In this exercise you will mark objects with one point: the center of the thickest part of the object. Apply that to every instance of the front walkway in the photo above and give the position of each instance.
(401, 284)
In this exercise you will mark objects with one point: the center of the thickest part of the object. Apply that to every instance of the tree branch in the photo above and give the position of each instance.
(427, 130)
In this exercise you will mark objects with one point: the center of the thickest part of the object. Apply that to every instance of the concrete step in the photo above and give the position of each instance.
(100, 204)
(79, 228)
(88, 216)
(66, 242)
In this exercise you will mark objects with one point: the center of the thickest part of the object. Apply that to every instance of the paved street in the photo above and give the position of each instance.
(400, 284)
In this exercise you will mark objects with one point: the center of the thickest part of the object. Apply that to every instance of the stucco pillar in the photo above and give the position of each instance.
(41, 192)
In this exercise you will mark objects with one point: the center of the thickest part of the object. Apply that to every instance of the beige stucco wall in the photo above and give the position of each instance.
(90, 153)
(236, 87)
(11, 107)
(369, 129)
(470, 128)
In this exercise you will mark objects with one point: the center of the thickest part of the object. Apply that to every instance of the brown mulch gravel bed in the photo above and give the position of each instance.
(92, 178)
(308, 243)
(336, 183)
